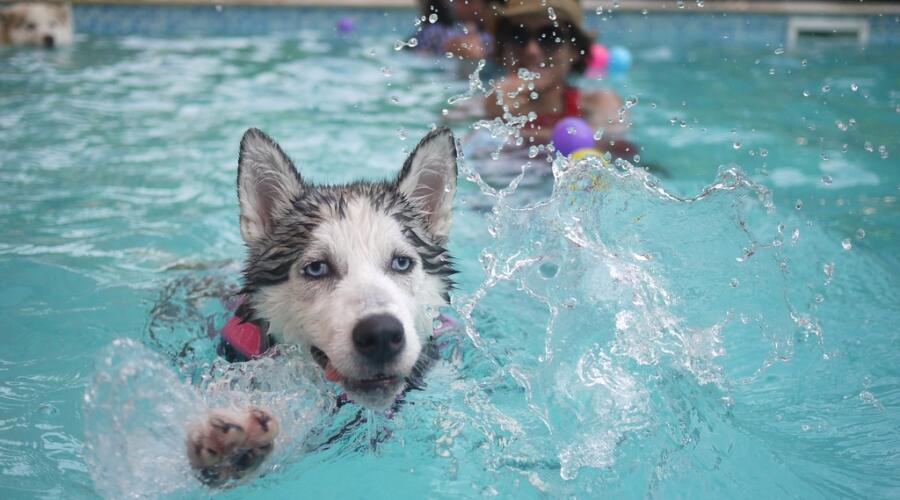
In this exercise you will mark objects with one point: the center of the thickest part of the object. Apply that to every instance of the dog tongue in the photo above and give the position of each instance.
(332, 374)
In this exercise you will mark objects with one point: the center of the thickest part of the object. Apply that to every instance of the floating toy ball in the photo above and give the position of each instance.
(619, 59)
(344, 25)
(598, 59)
(571, 134)
(584, 153)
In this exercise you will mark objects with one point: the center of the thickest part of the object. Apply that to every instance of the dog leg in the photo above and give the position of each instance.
(230, 445)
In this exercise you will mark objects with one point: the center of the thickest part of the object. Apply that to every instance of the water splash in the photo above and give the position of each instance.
(137, 410)
(626, 284)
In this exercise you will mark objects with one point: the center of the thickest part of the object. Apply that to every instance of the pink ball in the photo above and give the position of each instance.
(598, 59)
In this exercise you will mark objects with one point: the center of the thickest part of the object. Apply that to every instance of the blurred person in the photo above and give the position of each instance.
(553, 49)
(459, 27)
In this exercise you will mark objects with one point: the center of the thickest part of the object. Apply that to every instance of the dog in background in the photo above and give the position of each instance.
(354, 274)
(36, 24)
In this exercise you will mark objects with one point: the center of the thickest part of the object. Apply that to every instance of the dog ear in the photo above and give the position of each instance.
(267, 184)
(428, 178)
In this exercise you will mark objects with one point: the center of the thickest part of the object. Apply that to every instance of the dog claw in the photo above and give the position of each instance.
(230, 445)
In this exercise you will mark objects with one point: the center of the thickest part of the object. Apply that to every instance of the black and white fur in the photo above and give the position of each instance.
(353, 273)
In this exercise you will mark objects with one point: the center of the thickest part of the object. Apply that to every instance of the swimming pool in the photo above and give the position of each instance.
(626, 338)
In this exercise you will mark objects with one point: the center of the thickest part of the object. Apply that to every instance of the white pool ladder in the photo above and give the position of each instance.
(842, 27)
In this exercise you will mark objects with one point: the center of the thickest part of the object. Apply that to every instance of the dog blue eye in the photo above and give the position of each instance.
(401, 264)
(316, 269)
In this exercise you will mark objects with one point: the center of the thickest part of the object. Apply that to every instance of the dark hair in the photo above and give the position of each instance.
(439, 7)
(581, 43)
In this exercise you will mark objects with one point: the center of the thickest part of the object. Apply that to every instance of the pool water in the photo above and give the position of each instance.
(726, 331)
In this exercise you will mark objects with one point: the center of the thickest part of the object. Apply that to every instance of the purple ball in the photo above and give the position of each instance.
(344, 25)
(571, 134)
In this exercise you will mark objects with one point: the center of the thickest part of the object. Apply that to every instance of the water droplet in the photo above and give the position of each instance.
(680, 4)
(841, 125)
(682, 124)
(570, 303)
(803, 63)
(828, 269)
(868, 146)
(854, 87)
(548, 270)
(805, 93)
(860, 234)
(598, 134)
(825, 89)
(445, 111)
(819, 298)
(401, 134)
(882, 150)
(763, 152)
(599, 11)
(699, 3)
(826, 179)
(533, 96)
(798, 204)
(432, 18)
(736, 145)
(637, 159)
(779, 51)
(735, 282)
(795, 235)
(846, 244)
(395, 99)
(218, 8)
(551, 13)
(48, 409)
(631, 101)
(386, 71)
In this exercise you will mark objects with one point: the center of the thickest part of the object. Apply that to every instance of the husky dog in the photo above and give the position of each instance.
(37, 24)
(354, 274)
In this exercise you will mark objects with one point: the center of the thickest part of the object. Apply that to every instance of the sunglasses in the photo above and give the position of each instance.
(549, 38)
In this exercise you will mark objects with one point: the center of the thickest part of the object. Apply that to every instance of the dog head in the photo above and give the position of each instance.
(354, 273)
(36, 24)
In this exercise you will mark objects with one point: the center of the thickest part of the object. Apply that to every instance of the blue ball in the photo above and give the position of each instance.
(619, 59)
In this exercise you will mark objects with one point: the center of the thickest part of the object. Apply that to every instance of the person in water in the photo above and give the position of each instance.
(549, 40)
(459, 27)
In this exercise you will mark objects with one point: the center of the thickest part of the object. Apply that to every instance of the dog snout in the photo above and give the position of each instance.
(49, 41)
(379, 338)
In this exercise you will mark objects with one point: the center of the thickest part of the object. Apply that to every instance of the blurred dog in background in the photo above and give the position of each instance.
(36, 24)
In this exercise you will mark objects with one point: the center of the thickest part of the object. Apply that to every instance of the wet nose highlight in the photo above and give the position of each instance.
(379, 338)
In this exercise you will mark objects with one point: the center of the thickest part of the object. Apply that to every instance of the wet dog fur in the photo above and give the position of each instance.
(354, 274)
(36, 24)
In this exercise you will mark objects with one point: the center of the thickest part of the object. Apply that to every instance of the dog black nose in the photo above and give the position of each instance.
(379, 338)
(49, 41)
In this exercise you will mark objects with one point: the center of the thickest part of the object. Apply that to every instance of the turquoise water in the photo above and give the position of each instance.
(703, 335)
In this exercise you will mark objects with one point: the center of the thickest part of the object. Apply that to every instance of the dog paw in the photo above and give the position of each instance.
(231, 444)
